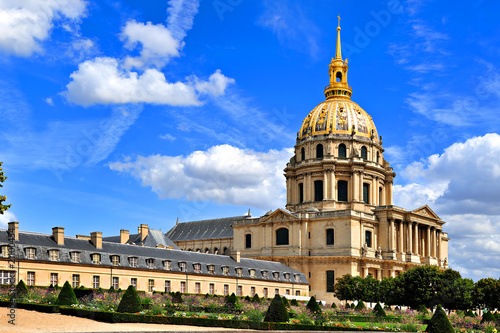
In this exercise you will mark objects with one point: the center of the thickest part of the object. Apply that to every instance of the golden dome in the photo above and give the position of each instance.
(338, 116)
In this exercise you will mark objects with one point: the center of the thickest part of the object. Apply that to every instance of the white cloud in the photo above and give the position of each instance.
(49, 101)
(81, 48)
(157, 44)
(289, 23)
(168, 137)
(7, 217)
(222, 174)
(26, 23)
(181, 15)
(102, 81)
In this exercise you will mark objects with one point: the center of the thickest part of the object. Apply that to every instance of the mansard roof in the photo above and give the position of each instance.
(205, 229)
(153, 239)
(45, 242)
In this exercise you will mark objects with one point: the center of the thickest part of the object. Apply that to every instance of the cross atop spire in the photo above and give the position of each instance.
(338, 53)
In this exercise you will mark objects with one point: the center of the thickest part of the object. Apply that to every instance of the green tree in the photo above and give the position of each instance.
(358, 288)
(3, 207)
(277, 311)
(343, 288)
(130, 302)
(371, 290)
(67, 295)
(486, 293)
(391, 290)
(21, 288)
(420, 285)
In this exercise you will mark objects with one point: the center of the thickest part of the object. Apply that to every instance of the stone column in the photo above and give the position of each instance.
(307, 188)
(391, 235)
(401, 237)
(361, 187)
(374, 192)
(415, 240)
(428, 241)
(379, 274)
(332, 184)
(325, 185)
(410, 237)
(288, 191)
(438, 244)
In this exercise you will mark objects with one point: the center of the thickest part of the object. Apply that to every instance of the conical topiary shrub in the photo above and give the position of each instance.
(312, 305)
(378, 310)
(334, 306)
(470, 313)
(439, 322)
(360, 306)
(285, 301)
(247, 298)
(277, 311)
(294, 302)
(353, 306)
(130, 303)
(67, 295)
(488, 316)
(21, 288)
(256, 298)
(422, 309)
(177, 297)
(231, 300)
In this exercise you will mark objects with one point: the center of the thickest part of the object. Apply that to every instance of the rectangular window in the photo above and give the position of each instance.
(248, 241)
(30, 253)
(297, 292)
(211, 269)
(226, 289)
(276, 291)
(318, 190)
(133, 282)
(301, 193)
(167, 286)
(252, 273)
(54, 279)
(239, 291)
(368, 238)
(211, 288)
(366, 193)
(96, 258)
(150, 263)
(75, 256)
(197, 288)
(167, 265)
(330, 281)
(183, 287)
(265, 292)
(252, 291)
(287, 292)
(182, 266)
(116, 283)
(7, 277)
(96, 282)
(76, 281)
(264, 274)
(151, 285)
(330, 236)
(31, 278)
(115, 260)
(239, 272)
(225, 270)
(54, 255)
(5, 251)
(197, 268)
(133, 261)
(380, 201)
(342, 190)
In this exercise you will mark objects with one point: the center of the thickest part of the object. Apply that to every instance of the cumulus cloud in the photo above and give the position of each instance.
(25, 23)
(181, 15)
(103, 81)
(7, 217)
(156, 41)
(222, 174)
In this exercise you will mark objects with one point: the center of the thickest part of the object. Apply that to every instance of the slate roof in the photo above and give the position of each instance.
(205, 229)
(154, 238)
(45, 242)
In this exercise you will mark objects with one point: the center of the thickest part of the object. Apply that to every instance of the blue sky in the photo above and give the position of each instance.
(116, 113)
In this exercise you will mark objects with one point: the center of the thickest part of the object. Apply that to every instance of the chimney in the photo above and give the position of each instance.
(236, 256)
(58, 234)
(96, 239)
(143, 231)
(14, 230)
(124, 236)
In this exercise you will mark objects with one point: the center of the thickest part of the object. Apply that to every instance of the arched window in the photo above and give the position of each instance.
(338, 77)
(380, 198)
(330, 239)
(207, 250)
(224, 250)
(366, 193)
(248, 241)
(342, 190)
(216, 250)
(318, 190)
(282, 236)
(378, 158)
(342, 150)
(301, 193)
(303, 154)
(319, 151)
(364, 153)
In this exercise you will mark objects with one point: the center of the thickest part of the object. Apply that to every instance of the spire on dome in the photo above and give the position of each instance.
(338, 52)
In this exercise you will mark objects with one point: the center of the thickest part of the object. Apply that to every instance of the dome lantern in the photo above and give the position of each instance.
(338, 87)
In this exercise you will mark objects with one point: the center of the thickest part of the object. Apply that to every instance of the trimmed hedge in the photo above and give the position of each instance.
(130, 302)
(67, 295)
(439, 322)
(277, 311)
(45, 308)
(313, 305)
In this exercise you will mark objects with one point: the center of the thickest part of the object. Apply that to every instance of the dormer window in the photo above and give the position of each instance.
(197, 268)
(115, 260)
(167, 265)
(225, 270)
(96, 258)
(297, 278)
(276, 275)
(211, 269)
(264, 274)
(239, 272)
(182, 266)
(74, 256)
(5, 251)
(54, 255)
(287, 277)
(133, 261)
(30, 253)
(252, 273)
(150, 263)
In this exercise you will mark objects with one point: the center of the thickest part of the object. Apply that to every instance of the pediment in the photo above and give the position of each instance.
(279, 215)
(426, 211)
